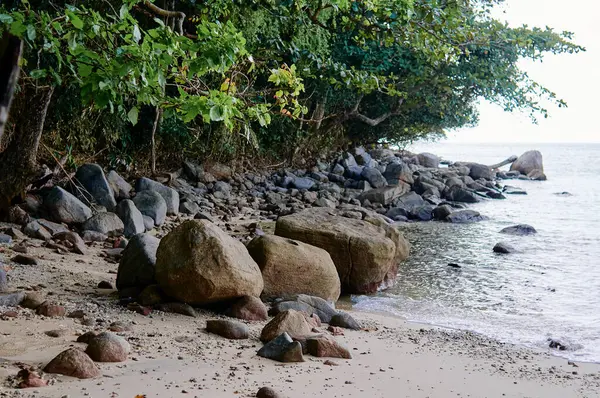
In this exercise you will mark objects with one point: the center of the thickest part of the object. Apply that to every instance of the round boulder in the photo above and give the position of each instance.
(521, 230)
(528, 162)
(75, 363)
(153, 205)
(108, 347)
(105, 223)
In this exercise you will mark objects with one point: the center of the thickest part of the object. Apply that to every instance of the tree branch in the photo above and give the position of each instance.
(354, 114)
(180, 16)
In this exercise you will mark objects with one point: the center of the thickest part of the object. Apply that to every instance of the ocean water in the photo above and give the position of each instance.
(550, 288)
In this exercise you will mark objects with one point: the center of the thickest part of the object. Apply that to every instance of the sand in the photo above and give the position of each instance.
(173, 356)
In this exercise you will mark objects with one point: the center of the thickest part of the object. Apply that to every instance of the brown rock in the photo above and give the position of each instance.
(228, 329)
(198, 263)
(335, 330)
(56, 333)
(108, 347)
(151, 295)
(268, 392)
(105, 285)
(177, 308)
(75, 363)
(290, 321)
(292, 267)
(32, 300)
(120, 327)
(248, 308)
(77, 242)
(51, 309)
(16, 215)
(30, 379)
(87, 337)
(325, 347)
(76, 314)
(24, 260)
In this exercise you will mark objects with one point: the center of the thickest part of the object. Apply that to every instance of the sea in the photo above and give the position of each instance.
(548, 289)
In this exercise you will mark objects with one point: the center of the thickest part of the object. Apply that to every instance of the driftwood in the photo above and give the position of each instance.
(503, 163)
(10, 53)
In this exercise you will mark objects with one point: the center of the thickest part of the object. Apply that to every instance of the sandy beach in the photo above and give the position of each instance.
(173, 355)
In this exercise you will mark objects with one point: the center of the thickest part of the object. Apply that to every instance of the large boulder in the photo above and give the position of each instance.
(478, 171)
(428, 160)
(366, 253)
(136, 268)
(308, 304)
(65, 207)
(133, 220)
(385, 195)
(151, 204)
(396, 172)
(121, 188)
(198, 263)
(92, 178)
(106, 223)
(458, 194)
(75, 363)
(528, 162)
(464, 216)
(170, 195)
(374, 177)
(292, 267)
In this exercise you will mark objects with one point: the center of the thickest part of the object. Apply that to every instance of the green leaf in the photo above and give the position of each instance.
(75, 20)
(17, 28)
(217, 113)
(38, 73)
(137, 35)
(31, 33)
(5, 19)
(123, 11)
(133, 115)
(85, 70)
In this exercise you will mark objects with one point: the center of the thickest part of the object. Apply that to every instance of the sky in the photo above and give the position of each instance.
(574, 78)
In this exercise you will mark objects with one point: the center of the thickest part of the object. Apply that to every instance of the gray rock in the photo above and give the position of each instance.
(509, 190)
(348, 160)
(229, 329)
(204, 216)
(92, 178)
(136, 268)
(422, 213)
(428, 160)
(410, 200)
(397, 211)
(353, 172)
(5, 238)
(52, 227)
(282, 349)
(303, 183)
(108, 224)
(221, 190)
(36, 231)
(170, 195)
(344, 320)
(520, 230)
(503, 248)
(3, 281)
(385, 195)
(478, 171)
(458, 194)
(65, 207)
(121, 188)
(528, 162)
(151, 204)
(464, 216)
(193, 171)
(93, 236)
(133, 220)
(12, 299)
(374, 177)
(308, 304)
(396, 172)
(148, 222)
(337, 169)
(441, 212)
(189, 208)
(537, 175)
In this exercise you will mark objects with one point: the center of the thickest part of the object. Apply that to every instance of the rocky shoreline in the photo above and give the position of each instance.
(202, 248)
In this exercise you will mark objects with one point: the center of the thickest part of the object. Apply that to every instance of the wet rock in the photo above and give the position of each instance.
(459, 194)
(12, 299)
(509, 190)
(153, 205)
(292, 322)
(504, 248)
(65, 207)
(557, 345)
(344, 320)
(441, 212)
(268, 392)
(24, 259)
(170, 195)
(136, 267)
(282, 349)
(79, 246)
(121, 188)
(51, 310)
(108, 347)
(92, 178)
(228, 329)
(198, 263)
(106, 223)
(93, 236)
(248, 308)
(327, 347)
(464, 216)
(528, 162)
(36, 231)
(307, 304)
(75, 363)
(32, 300)
(133, 220)
(177, 308)
(520, 230)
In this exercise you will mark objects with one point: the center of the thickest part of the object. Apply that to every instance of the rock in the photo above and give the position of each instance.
(248, 308)
(32, 300)
(292, 267)
(52, 227)
(291, 322)
(93, 236)
(307, 304)
(136, 267)
(151, 204)
(521, 230)
(29, 379)
(193, 171)
(228, 329)
(428, 160)
(366, 255)
(221, 190)
(121, 188)
(11, 299)
(459, 194)
(106, 223)
(537, 175)
(528, 162)
(51, 310)
(282, 349)
(422, 213)
(3, 281)
(65, 207)
(5, 239)
(87, 337)
(504, 248)
(267, 392)
(189, 208)
(120, 327)
(24, 260)
(148, 222)
(170, 195)
(73, 362)
(478, 171)
(56, 333)
(105, 285)
(338, 169)
(464, 216)
(204, 216)
(344, 320)
(15, 233)
(151, 295)
(198, 263)
(374, 177)
(441, 212)
(79, 246)
(385, 195)
(16, 215)
(348, 160)
(557, 345)
(133, 221)
(92, 178)
(327, 347)
(303, 183)
(219, 171)
(108, 347)
(396, 172)
(508, 190)
(326, 203)
(177, 308)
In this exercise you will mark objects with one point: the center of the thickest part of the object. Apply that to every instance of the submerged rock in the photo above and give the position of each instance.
(521, 230)
(503, 248)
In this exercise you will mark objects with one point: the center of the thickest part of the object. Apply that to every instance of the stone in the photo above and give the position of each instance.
(148, 222)
(108, 347)
(303, 183)
(337, 169)
(170, 195)
(229, 329)
(292, 267)
(478, 171)
(3, 281)
(153, 205)
(190, 208)
(132, 218)
(374, 177)
(16, 215)
(73, 362)
(344, 320)
(92, 178)
(422, 213)
(267, 392)
(458, 194)
(442, 211)
(105, 285)
(291, 322)
(56, 333)
(509, 190)
(248, 308)
(537, 175)
(198, 263)
(93, 236)
(193, 171)
(151, 295)
(121, 188)
(348, 160)
(11, 299)
(64, 207)
(177, 308)
(308, 304)
(120, 327)
(52, 227)
(79, 246)
(24, 260)
(366, 253)
(15, 233)
(396, 172)
(428, 160)
(106, 223)
(282, 349)
(324, 202)
(136, 267)
(51, 310)
(219, 171)
(528, 162)
(87, 337)
(204, 216)
(385, 195)
(464, 216)
(327, 347)
(503, 248)
(520, 230)
(5, 239)
(32, 300)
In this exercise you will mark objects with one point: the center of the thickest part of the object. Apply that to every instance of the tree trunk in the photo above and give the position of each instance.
(154, 129)
(18, 161)
(10, 54)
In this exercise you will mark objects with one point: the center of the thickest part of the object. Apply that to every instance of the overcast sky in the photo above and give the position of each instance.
(574, 78)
